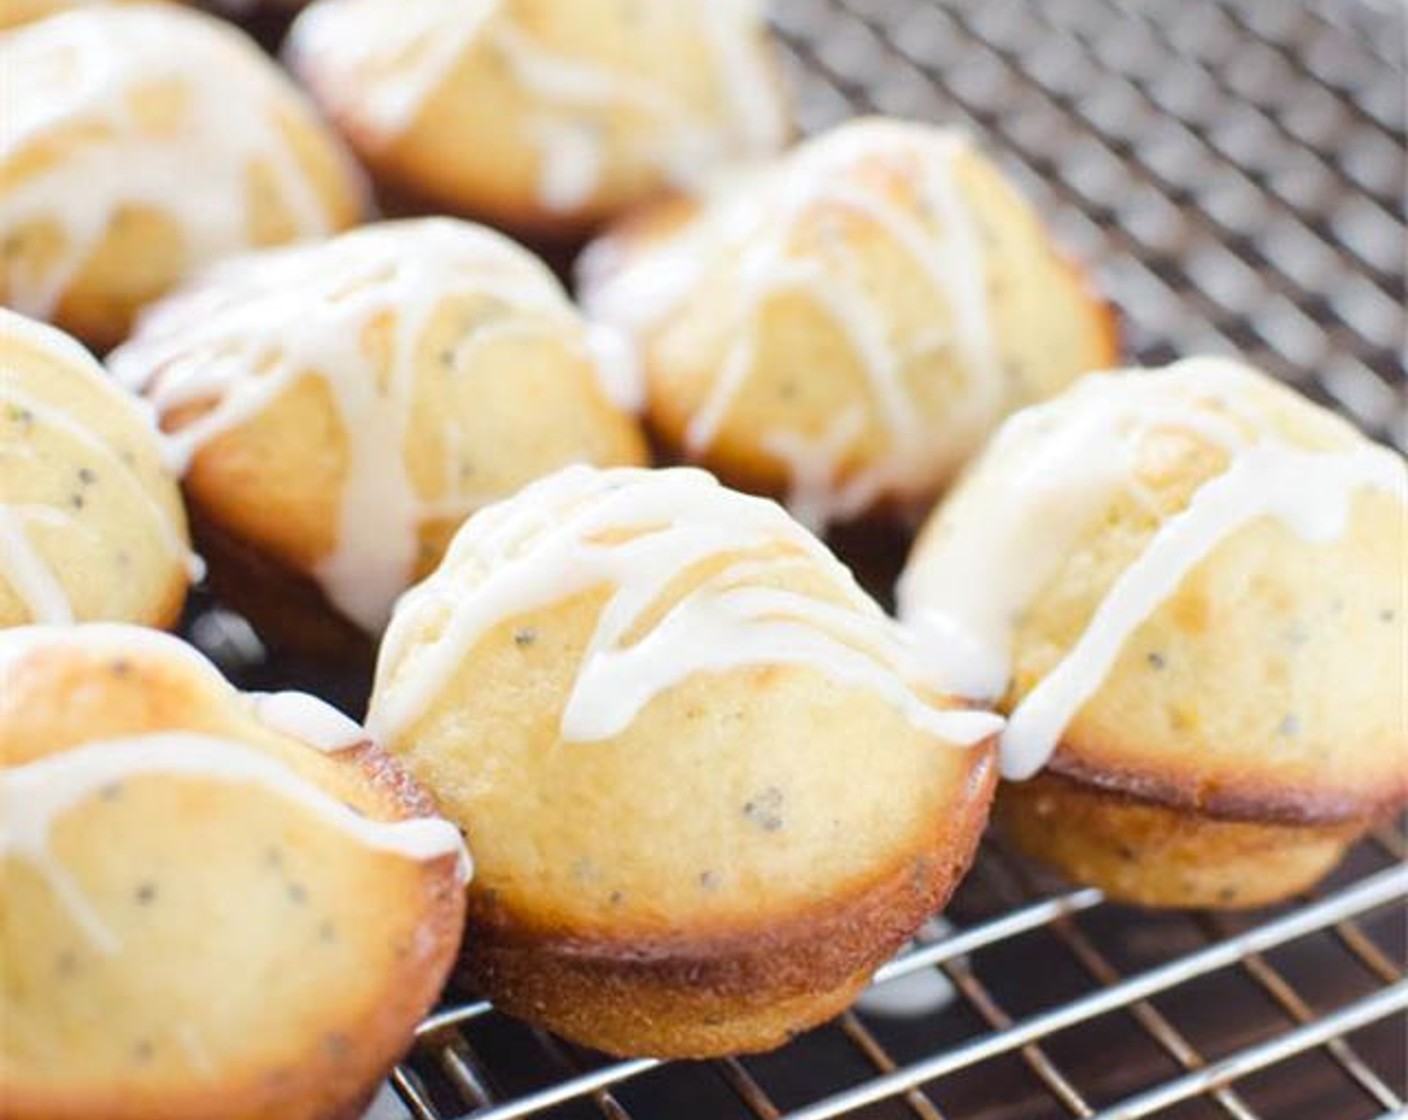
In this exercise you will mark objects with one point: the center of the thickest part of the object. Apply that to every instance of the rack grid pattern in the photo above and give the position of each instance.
(1234, 172)
(449, 1075)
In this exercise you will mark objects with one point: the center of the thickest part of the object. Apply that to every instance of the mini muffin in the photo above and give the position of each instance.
(15, 12)
(847, 325)
(544, 116)
(1187, 589)
(340, 408)
(91, 524)
(140, 141)
(214, 904)
(710, 791)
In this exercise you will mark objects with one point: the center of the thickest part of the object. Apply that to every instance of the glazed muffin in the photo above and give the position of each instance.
(544, 116)
(217, 905)
(340, 408)
(139, 142)
(1187, 589)
(846, 326)
(15, 12)
(709, 791)
(91, 524)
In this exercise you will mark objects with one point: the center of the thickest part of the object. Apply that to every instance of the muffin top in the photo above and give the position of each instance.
(344, 405)
(1187, 583)
(163, 121)
(652, 695)
(159, 825)
(850, 321)
(91, 524)
(587, 104)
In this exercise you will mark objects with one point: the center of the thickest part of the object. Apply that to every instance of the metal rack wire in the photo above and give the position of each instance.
(447, 1077)
(1234, 171)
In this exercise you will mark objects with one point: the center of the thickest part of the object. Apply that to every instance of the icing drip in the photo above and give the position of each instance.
(634, 532)
(252, 327)
(309, 720)
(22, 563)
(400, 63)
(756, 217)
(34, 795)
(191, 161)
(25, 570)
(1077, 455)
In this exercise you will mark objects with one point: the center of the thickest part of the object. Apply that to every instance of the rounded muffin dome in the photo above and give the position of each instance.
(340, 408)
(140, 141)
(542, 115)
(847, 325)
(215, 904)
(709, 790)
(91, 524)
(1187, 588)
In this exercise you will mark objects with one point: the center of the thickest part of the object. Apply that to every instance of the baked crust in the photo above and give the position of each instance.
(84, 488)
(1160, 855)
(144, 249)
(472, 144)
(1048, 323)
(731, 990)
(363, 429)
(1180, 787)
(702, 850)
(302, 1055)
(1247, 719)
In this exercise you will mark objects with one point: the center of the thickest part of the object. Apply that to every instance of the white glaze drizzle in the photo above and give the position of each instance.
(400, 62)
(35, 794)
(22, 563)
(1077, 455)
(309, 720)
(755, 216)
(25, 570)
(252, 326)
(78, 70)
(633, 532)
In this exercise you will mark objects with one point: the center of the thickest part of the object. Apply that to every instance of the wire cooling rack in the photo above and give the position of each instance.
(1234, 172)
